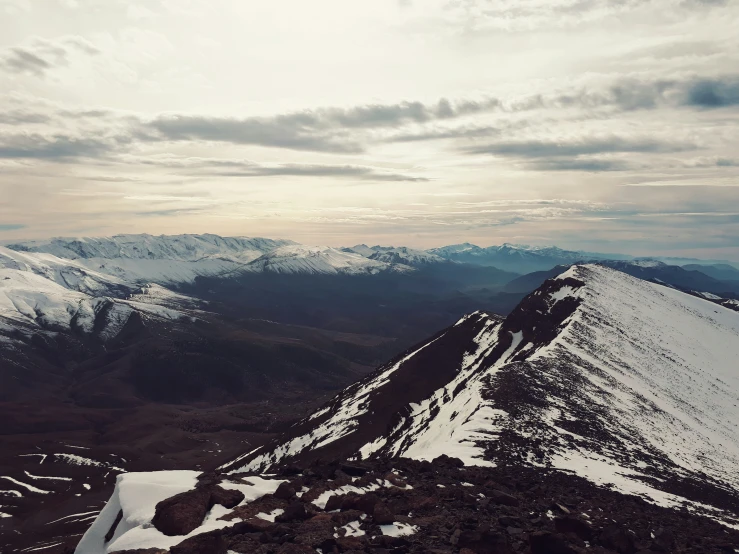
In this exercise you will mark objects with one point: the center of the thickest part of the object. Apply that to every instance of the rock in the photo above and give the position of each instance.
(348, 544)
(560, 508)
(313, 493)
(513, 531)
(291, 548)
(618, 538)
(544, 542)
(316, 530)
(353, 470)
(114, 526)
(500, 497)
(572, 524)
(447, 461)
(334, 502)
(382, 514)
(294, 512)
(510, 521)
(182, 513)
(484, 542)
(252, 525)
(208, 543)
(366, 503)
(663, 541)
(285, 491)
(228, 498)
(342, 518)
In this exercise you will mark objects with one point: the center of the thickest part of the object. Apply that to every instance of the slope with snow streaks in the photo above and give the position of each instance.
(365, 412)
(663, 365)
(68, 274)
(30, 303)
(619, 380)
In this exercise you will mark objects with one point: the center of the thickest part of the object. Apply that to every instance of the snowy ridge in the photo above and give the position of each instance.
(318, 260)
(163, 247)
(68, 274)
(30, 303)
(619, 380)
(396, 255)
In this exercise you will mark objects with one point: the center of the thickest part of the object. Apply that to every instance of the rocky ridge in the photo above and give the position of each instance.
(409, 506)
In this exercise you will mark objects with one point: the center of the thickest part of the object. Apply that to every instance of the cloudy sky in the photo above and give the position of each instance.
(608, 125)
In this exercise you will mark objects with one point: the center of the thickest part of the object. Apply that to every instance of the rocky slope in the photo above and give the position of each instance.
(585, 421)
(399, 506)
(618, 380)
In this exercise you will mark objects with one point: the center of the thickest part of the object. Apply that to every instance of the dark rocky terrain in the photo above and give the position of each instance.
(443, 507)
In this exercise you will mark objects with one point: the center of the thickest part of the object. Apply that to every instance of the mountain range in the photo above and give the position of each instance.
(138, 352)
(596, 376)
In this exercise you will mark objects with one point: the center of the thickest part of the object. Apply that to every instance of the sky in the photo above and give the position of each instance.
(604, 125)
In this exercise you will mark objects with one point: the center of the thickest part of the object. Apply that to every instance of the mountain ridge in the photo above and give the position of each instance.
(567, 323)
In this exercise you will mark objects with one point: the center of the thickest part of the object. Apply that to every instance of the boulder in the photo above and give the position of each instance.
(294, 512)
(382, 514)
(182, 513)
(618, 538)
(208, 543)
(228, 498)
(544, 542)
(572, 524)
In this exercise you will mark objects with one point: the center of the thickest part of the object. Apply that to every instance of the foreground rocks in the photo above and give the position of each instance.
(405, 506)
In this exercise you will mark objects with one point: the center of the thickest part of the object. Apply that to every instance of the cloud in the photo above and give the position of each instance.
(573, 148)
(56, 147)
(633, 94)
(462, 132)
(21, 117)
(323, 129)
(37, 56)
(712, 93)
(215, 167)
(590, 164)
(280, 132)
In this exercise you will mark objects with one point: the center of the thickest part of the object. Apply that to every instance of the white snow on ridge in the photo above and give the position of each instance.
(296, 258)
(341, 422)
(657, 346)
(653, 368)
(136, 496)
(31, 301)
(68, 274)
(147, 247)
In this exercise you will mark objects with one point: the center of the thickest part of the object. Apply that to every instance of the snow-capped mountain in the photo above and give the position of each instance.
(296, 258)
(136, 260)
(518, 258)
(141, 259)
(69, 274)
(396, 255)
(32, 304)
(624, 382)
(163, 247)
(406, 256)
(646, 269)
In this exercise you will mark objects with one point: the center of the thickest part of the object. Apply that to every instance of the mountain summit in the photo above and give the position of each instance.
(599, 393)
(621, 381)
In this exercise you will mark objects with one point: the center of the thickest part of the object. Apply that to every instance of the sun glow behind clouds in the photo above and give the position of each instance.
(420, 123)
